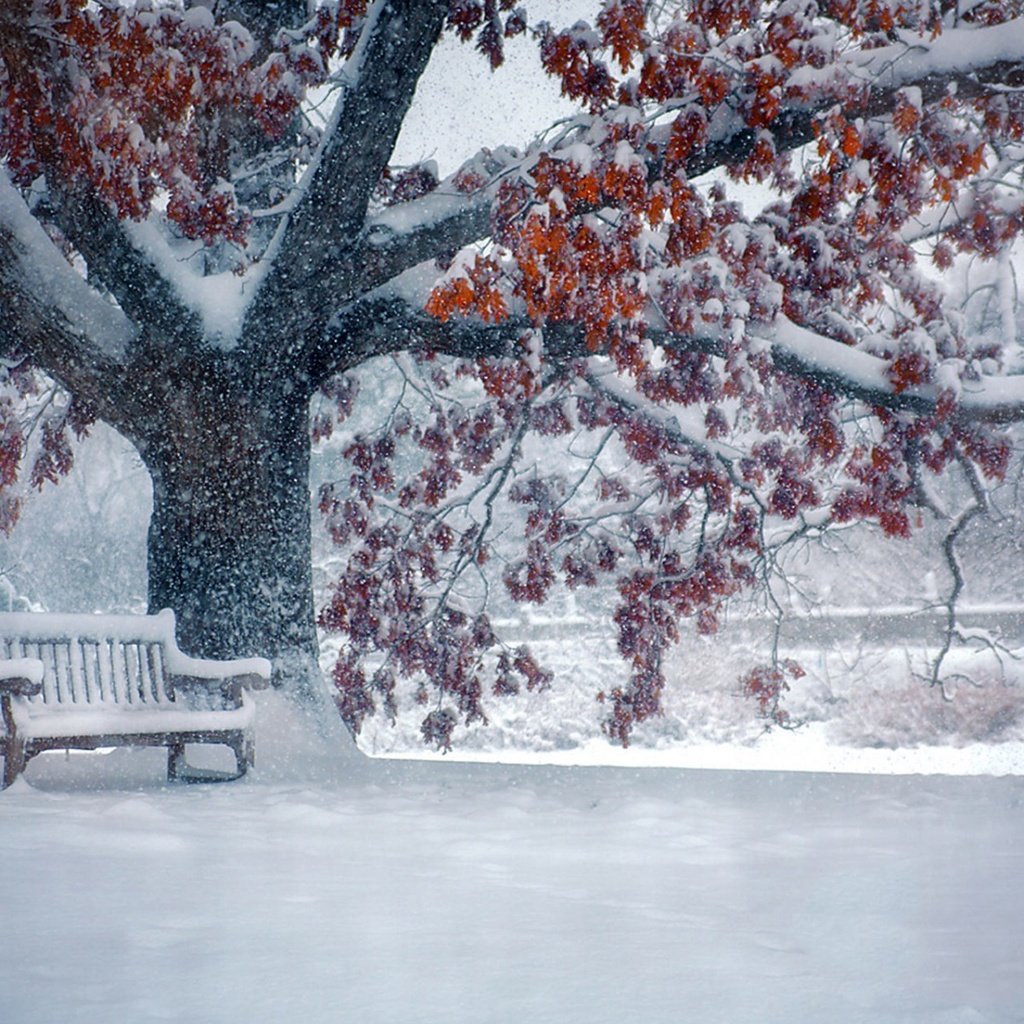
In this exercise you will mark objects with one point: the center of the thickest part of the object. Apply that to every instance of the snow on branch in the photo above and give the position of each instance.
(48, 303)
(385, 322)
(860, 375)
(990, 56)
(125, 259)
(455, 214)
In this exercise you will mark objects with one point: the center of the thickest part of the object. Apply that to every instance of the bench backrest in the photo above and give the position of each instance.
(94, 659)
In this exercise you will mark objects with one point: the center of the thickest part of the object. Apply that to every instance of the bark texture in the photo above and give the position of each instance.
(229, 539)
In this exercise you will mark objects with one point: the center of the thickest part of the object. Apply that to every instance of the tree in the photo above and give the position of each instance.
(191, 263)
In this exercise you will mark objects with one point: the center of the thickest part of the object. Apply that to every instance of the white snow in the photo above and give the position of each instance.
(377, 891)
(870, 372)
(22, 668)
(34, 720)
(220, 300)
(789, 879)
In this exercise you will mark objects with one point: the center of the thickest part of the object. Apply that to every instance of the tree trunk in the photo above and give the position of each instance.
(229, 541)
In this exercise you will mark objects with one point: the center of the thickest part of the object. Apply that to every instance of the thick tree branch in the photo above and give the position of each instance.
(319, 235)
(396, 240)
(319, 254)
(85, 220)
(414, 233)
(400, 37)
(408, 235)
(381, 324)
(48, 313)
(859, 375)
(118, 266)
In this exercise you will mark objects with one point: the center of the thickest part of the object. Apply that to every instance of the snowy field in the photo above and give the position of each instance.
(325, 889)
(866, 867)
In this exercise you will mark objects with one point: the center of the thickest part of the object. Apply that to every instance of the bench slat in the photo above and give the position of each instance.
(65, 668)
(158, 668)
(104, 671)
(97, 671)
(90, 677)
(141, 690)
(119, 663)
(62, 685)
(73, 666)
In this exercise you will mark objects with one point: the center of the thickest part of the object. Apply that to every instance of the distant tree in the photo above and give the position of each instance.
(590, 334)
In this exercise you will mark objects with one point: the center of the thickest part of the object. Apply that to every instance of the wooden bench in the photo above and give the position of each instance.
(90, 681)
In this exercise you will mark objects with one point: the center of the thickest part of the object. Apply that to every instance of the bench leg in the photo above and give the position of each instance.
(179, 770)
(244, 750)
(14, 760)
(247, 758)
(176, 766)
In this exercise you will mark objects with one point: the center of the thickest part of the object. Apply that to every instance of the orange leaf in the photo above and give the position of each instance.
(851, 142)
(906, 117)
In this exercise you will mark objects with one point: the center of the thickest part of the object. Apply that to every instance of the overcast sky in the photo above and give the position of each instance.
(461, 105)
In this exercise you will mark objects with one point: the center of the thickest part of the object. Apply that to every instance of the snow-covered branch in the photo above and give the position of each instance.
(387, 322)
(442, 221)
(49, 312)
(863, 376)
(967, 61)
(128, 273)
(967, 54)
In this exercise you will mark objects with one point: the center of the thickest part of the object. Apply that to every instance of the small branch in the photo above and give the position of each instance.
(978, 505)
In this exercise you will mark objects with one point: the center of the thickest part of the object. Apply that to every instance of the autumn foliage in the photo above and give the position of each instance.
(623, 307)
(609, 233)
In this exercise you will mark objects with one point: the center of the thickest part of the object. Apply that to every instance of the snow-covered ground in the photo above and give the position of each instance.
(327, 888)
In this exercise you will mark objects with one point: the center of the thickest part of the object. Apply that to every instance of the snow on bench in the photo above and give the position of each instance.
(90, 681)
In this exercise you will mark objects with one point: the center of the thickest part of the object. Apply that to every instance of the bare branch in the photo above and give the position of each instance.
(979, 504)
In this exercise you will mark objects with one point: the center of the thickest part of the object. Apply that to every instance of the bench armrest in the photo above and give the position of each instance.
(229, 689)
(251, 673)
(21, 676)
